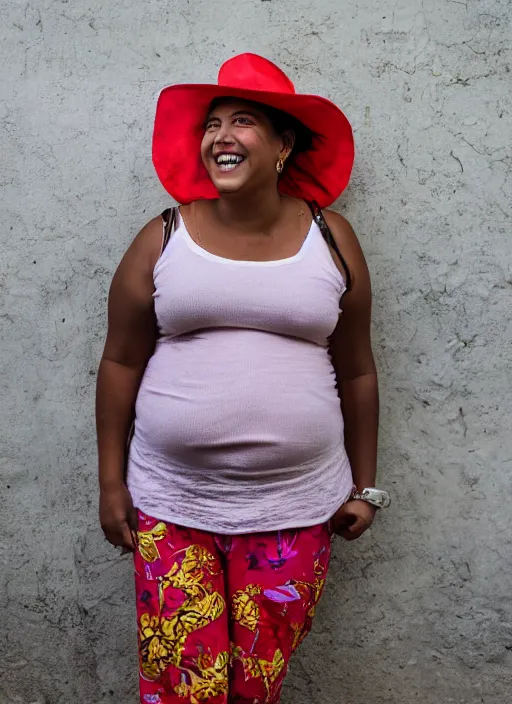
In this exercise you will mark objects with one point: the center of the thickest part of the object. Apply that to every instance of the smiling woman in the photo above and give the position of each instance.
(256, 132)
(240, 144)
(227, 352)
(281, 122)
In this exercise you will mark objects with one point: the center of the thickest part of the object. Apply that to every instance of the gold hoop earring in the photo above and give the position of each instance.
(280, 165)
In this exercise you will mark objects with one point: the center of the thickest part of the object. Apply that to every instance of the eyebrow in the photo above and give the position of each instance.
(250, 112)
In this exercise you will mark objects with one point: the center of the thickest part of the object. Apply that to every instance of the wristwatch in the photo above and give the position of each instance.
(373, 496)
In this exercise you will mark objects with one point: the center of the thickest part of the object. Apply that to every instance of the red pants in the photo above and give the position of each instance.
(219, 616)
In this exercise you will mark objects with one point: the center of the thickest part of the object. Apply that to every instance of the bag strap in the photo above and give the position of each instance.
(324, 228)
(169, 217)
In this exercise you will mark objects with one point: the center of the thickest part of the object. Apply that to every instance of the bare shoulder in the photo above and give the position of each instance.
(342, 230)
(150, 236)
(146, 247)
(349, 246)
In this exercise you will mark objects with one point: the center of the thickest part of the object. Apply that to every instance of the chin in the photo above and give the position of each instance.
(229, 185)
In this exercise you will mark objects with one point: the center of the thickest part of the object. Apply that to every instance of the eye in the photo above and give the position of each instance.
(241, 120)
(211, 124)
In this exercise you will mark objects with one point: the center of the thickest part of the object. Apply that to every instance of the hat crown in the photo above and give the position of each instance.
(253, 72)
(318, 174)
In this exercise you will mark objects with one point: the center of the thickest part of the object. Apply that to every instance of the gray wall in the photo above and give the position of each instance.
(417, 610)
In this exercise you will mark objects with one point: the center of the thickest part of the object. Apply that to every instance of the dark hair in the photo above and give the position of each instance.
(281, 122)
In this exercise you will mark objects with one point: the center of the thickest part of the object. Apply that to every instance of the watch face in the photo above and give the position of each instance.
(377, 497)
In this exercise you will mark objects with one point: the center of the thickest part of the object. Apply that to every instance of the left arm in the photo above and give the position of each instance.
(356, 378)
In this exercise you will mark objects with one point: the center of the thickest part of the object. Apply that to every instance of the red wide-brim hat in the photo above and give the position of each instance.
(319, 174)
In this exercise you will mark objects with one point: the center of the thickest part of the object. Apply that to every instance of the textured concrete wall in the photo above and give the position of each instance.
(419, 610)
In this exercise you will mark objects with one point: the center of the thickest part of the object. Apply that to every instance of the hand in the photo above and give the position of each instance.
(118, 517)
(353, 518)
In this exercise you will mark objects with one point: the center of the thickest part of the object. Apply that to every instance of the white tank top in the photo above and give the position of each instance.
(238, 423)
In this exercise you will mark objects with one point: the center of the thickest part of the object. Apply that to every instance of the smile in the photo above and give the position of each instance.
(228, 162)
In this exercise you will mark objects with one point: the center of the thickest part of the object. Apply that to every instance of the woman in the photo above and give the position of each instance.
(226, 345)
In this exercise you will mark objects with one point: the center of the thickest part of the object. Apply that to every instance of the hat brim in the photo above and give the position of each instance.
(319, 174)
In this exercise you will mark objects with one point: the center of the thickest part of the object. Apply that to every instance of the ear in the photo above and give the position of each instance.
(288, 140)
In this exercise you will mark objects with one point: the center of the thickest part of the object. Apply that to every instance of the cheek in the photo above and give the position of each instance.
(254, 142)
(260, 151)
(206, 148)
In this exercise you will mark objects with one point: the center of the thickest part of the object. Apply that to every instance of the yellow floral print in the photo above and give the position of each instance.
(310, 593)
(163, 639)
(146, 542)
(182, 689)
(185, 598)
(298, 632)
(212, 682)
(319, 582)
(244, 608)
(257, 667)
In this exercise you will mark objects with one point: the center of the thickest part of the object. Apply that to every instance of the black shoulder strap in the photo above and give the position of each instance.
(169, 217)
(324, 228)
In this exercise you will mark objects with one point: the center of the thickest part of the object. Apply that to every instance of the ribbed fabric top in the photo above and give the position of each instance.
(238, 423)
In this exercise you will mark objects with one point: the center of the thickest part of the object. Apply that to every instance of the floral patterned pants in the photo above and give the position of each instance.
(219, 616)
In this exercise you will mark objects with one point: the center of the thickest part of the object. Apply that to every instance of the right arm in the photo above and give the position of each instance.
(130, 343)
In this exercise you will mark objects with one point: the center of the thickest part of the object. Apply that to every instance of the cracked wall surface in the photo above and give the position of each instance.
(418, 610)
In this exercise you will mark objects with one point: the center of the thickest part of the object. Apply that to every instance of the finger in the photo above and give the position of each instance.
(113, 537)
(128, 541)
(350, 535)
(345, 532)
(344, 524)
(133, 520)
(354, 534)
(341, 512)
(354, 529)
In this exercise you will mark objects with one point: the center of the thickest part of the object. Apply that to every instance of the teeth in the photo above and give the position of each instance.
(229, 159)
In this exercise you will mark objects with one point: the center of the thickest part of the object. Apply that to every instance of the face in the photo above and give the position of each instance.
(240, 147)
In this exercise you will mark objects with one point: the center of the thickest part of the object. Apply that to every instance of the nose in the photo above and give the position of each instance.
(223, 135)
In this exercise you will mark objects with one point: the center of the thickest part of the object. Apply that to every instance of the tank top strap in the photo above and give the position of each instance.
(324, 228)
(169, 217)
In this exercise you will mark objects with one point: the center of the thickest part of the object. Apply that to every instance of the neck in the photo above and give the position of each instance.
(255, 212)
